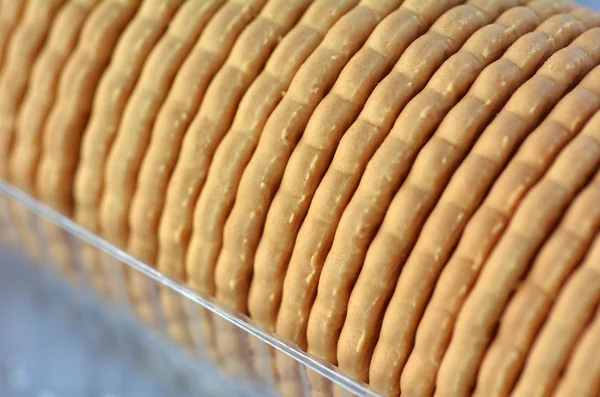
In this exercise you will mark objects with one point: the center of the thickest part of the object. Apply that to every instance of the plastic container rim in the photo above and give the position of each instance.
(240, 320)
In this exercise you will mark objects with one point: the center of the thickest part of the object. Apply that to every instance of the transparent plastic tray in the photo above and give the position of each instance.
(259, 361)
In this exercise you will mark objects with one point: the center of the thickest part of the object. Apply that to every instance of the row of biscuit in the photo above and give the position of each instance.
(407, 189)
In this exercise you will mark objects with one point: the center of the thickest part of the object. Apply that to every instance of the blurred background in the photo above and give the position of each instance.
(57, 342)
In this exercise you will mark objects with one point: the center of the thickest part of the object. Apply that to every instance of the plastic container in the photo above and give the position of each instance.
(257, 361)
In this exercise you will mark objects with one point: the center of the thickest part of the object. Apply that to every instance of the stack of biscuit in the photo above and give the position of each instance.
(407, 189)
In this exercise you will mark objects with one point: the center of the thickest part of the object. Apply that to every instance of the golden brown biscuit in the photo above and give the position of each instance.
(207, 131)
(529, 226)
(233, 153)
(582, 376)
(247, 57)
(10, 14)
(528, 309)
(41, 94)
(281, 132)
(386, 257)
(67, 119)
(549, 37)
(115, 87)
(134, 132)
(214, 43)
(39, 97)
(26, 42)
(131, 139)
(421, 270)
(76, 88)
(409, 75)
(127, 150)
(138, 39)
(303, 127)
(199, 68)
(562, 252)
(464, 193)
(384, 175)
(330, 120)
(407, 212)
(573, 309)
(41, 91)
(245, 61)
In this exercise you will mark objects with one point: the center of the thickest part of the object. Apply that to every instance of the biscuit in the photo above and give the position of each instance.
(385, 173)
(40, 96)
(196, 74)
(311, 156)
(185, 24)
(293, 198)
(76, 88)
(448, 148)
(26, 42)
(560, 255)
(281, 132)
(533, 220)
(67, 119)
(240, 67)
(245, 61)
(340, 96)
(529, 307)
(138, 39)
(332, 117)
(461, 198)
(407, 212)
(41, 92)
(490, 161)
(247, 56)
(573, 309)
(191, 81)
(207, 130)
(132, 50)
(221, 24)
(133, 135)
(10, 14)
(234, 151)
(482, 231)
(356, 147)
(387, 255)
(582, 374)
